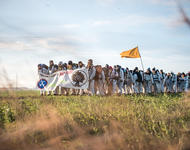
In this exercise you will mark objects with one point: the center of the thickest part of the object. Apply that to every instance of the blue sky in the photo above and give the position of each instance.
(36, 31)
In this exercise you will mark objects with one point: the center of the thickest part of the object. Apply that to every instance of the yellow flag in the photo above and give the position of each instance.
(132, 53)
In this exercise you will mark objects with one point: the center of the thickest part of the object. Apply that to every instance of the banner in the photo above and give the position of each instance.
(76, 79)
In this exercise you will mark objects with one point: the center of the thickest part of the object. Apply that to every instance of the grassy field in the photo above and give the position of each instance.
(28, 121)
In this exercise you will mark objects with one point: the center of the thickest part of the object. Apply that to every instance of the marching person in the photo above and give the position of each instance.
(109, 81)
(174, 82)
(148, 80)
(74, 66)
(178, 81)
(65, 66)
(56, 91)
(142, 74)
(120, 80)
(60, 66)
(181, 82)
(114, 78)
(42, 69)
(60, 89)
(168, 83)
(70, 67)
(80, 64)
(80, 91)
(92, 73)
(107, 66)
(99, 80)
(162, 77)
(65, 91)
(51, 68)
(124, 81)
(107, 76)
(156, 81)
(187, 86)
(129, 81)
(137, 81)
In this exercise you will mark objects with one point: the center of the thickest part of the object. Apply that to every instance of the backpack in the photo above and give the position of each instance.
(98, 72)
(139, 77)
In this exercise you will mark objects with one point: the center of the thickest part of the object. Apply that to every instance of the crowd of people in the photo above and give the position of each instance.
(110, 80)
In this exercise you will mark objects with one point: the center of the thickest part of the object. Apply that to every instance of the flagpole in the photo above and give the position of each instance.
(141, 59)
(142, 64)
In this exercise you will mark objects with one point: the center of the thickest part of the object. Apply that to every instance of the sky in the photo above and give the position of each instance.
(36, 31)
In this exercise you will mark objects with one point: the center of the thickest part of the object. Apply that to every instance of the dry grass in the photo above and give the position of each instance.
(91, 123)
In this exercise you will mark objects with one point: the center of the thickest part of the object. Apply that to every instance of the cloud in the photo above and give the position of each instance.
(100, 23)
(133, 20)
(14, 45)
(48, 43)
(55, 44)
(163, 2)
(156, 2)
(106, 2)
(138, 20)
(71, 26)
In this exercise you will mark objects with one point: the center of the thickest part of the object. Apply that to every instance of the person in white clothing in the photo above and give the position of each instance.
(156, 81)
(148, 80)
(137, 81)
(92, 73)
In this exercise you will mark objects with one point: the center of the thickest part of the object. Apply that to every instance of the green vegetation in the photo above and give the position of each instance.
(83, 122)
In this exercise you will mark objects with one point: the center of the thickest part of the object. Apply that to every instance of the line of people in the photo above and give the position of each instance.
(110, 80)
